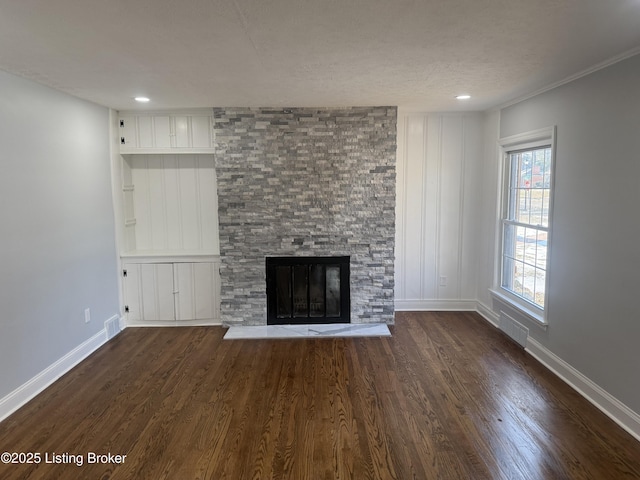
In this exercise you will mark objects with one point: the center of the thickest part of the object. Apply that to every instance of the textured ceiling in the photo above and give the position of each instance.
(415, 54)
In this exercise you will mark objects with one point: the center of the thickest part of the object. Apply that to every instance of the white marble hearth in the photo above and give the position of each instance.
(309, 331)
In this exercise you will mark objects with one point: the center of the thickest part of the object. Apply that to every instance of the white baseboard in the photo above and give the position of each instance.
(601, 399)
(21, 395)
(173, 323)
(605, 402)
(488, 314)
(434, 305)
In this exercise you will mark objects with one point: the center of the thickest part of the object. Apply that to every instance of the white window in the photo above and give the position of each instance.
(525, 219)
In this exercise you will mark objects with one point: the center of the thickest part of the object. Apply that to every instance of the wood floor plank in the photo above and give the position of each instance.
(446, 397)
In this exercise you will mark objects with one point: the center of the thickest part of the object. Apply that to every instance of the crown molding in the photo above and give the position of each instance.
(571, 78)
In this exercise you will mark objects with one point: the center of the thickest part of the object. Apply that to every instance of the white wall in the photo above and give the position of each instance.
(438, 187)
(57, 253)
(593, 312)
(488, 210)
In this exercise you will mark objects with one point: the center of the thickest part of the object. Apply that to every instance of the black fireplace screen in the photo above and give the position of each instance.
(307, 290)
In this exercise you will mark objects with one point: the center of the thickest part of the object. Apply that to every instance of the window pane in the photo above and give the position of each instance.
(523, 206)
(520, 242)
(518, 271)
(545, 208)
(547, 168)
(508, 270)
(540, 289)
(528, 282)
(513, 187)
(536, 206)
(524, 169)
(541, 254)
(524, 254)
(513, 204)
(531, 245)
(509, 240)
(538, 167)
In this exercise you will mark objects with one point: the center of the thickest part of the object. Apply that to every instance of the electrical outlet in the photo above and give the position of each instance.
(443, 281)
(87, 315)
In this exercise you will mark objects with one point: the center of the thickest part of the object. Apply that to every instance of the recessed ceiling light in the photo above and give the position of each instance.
(463, 97)
(141, 99)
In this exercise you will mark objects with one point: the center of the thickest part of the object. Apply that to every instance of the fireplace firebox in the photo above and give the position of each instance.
(305, 290)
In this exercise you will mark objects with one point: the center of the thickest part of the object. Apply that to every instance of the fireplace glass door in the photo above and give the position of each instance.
(307, 290)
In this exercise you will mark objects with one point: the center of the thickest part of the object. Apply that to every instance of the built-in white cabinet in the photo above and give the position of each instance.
(168, 218)
(190, 132)
(171, 290)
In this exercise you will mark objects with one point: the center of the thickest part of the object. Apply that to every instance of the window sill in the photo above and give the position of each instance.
(535, 317)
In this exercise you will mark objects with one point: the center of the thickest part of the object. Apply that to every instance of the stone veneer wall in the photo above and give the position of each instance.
(306, 181)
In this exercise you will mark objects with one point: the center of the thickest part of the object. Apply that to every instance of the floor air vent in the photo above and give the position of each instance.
(513, 329)
(112, 326)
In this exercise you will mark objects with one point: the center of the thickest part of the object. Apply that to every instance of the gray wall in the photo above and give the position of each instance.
(57, 252)
(315, 182)
(594, 315)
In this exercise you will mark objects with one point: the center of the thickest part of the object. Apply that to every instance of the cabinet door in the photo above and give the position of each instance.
(201, 132)
(161, 131)
(148, 291)
(181, 132)
(196, 297)
(144, 128)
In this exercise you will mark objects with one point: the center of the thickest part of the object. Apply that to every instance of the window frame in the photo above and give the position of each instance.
(544, 137)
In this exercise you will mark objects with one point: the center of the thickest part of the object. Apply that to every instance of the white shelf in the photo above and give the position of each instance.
(169, 257)
(166, 151)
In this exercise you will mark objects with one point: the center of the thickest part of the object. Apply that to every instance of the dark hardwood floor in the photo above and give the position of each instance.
(446, 397)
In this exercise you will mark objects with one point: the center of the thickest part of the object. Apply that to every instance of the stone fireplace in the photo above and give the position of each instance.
(310, 182)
